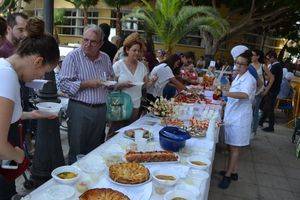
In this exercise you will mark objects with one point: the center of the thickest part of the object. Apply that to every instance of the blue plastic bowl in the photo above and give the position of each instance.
(173, 138)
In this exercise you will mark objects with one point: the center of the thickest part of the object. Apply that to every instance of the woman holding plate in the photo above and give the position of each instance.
(37, 54)
(132, 74)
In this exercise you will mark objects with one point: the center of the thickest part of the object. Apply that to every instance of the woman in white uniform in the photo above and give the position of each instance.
(238, 116)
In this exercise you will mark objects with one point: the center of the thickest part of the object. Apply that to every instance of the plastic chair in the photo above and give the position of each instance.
(288, 107)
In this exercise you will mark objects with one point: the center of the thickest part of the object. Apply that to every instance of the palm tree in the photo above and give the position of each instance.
(118, 4)
(8, 6)
(85, 4)
(59, 19)
(171, 20)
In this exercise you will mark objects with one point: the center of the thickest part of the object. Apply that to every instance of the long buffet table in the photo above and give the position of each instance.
(190, 178)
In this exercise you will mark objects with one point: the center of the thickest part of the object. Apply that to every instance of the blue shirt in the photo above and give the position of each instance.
(286, 90)
(253, 72)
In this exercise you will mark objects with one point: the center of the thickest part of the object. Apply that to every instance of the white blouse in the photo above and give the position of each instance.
(124, 74)
(10, 88)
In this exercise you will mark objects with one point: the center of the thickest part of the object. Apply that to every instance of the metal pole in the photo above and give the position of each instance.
(48, 150)
(48, 15)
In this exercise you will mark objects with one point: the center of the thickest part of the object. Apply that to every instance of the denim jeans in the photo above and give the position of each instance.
(256, 105)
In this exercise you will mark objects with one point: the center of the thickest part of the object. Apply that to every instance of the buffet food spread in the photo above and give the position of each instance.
(103, 193)
(140, 161)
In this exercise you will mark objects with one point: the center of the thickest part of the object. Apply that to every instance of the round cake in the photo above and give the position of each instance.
(103, 194)
(129, 173)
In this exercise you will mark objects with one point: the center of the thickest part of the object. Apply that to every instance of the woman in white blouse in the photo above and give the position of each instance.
(165, 75)
(36, 55)
(132, 74)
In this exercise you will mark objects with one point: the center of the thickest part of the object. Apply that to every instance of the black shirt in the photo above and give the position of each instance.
(109, 48)
(276, 70)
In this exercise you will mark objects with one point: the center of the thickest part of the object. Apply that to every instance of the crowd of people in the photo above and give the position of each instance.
(27, 53)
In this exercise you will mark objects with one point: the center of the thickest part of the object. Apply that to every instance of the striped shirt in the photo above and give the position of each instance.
(77, 67)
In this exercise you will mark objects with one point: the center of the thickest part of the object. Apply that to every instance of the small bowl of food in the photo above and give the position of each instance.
(66, 174)
(164, 180)
(179, 195)
(199, 162)
(49, 108)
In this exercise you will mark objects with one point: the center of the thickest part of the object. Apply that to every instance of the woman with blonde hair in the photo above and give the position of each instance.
(132, 74)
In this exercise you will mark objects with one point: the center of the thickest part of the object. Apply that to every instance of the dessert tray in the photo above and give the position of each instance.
(151, 157)
(129, 174)
(103, 194)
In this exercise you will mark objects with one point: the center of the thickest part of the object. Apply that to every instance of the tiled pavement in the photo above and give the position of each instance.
(268, 170)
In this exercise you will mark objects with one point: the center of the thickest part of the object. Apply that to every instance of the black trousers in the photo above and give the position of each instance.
(8, 189)
(268, 106)
(86, 128)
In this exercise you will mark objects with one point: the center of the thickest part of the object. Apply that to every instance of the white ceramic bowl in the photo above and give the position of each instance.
(60, 192)
(163, 186)
(49, 108)
(201, 159)
(179, 193)
(165, 172)
(68, 168)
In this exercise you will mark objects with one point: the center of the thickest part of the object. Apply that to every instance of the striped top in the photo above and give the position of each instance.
(77, 67)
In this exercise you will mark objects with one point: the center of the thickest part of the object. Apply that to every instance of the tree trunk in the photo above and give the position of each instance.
(211, 46)
(19, 5)
(262, 44)
(150, 43)
(85, 17)
(118, 22)
(56, 34)
(169, 49)
(281, 53)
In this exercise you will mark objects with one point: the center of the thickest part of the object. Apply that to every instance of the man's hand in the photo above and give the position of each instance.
(127, 84)
(91, 84)
(36, 114)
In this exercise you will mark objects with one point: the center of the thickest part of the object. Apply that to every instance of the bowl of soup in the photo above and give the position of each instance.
(66, 174)
(179, 195)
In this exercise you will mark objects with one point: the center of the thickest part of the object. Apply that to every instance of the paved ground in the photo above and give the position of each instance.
(269, 169)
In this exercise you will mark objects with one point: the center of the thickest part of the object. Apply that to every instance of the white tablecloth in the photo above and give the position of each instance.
(118, 143)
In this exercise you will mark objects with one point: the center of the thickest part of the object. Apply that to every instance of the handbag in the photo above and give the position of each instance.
(11, 174)
(119, 106)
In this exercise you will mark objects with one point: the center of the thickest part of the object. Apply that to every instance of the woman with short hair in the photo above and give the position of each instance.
(263, 72)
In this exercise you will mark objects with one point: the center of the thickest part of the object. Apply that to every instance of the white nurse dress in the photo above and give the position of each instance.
(238, 112)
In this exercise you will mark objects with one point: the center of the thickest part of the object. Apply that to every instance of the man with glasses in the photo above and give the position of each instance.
(80, 78)
(270, 99)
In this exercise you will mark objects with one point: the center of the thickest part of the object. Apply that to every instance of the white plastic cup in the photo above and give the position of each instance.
(141, 144)
(138, 134)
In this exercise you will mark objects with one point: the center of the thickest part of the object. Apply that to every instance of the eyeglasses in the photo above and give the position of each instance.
(91, 42)
(240, 64)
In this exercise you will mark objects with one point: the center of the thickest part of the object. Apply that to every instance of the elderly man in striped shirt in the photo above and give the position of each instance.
(80, 78)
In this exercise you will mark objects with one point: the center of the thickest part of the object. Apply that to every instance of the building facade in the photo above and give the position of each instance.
(70, 31)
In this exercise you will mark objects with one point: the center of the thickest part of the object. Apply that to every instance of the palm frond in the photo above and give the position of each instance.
(172, 21)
